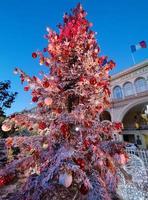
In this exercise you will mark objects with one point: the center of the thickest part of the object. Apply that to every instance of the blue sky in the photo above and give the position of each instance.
(118, 23)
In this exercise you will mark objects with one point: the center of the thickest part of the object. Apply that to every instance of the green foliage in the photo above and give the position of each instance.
(6, 99)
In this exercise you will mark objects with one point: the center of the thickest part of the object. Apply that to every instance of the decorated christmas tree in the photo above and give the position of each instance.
(73, 156)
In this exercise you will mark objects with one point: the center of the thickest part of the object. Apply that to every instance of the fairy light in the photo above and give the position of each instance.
(133, 190)
(77, 129)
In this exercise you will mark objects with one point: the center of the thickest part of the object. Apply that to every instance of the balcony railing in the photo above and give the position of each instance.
(131, 127)
(133, 96)
(143, 154)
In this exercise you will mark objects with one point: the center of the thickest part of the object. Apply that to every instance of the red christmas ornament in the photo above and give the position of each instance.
(9, 142)
(42, 125)
(26, 88)
(40, 104)
(45, 49)
(47, 64)
(34, 78)
(34, 55)
(2, 181)
(64, 128)
(6, 179)
(36, 155)
(84, 189)
(22, 78)
(22, 124)
(86, 143)
(88, 124)
(35, 99)
(45, 84)
(95, 142)
(81, 163)
(59, 73)
(101, 60)
(112, 64)
(88, 155)
(118, 125)
(81, 78)
(59, 110)
(12, 116)
(93, 81)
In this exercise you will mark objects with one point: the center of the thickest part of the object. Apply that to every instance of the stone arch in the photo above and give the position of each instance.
(105, 115)
(131, 105)
(140, 77)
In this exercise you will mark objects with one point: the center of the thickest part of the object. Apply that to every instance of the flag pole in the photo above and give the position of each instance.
(133, 58)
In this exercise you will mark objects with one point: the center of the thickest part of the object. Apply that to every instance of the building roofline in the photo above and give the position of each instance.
(129, 70)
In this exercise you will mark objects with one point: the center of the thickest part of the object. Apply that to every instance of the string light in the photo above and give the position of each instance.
(135, 188)
(77, 129)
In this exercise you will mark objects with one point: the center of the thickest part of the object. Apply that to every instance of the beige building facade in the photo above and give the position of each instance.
(129, 99)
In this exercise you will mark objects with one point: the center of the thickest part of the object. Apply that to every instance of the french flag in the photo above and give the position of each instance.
(138, 46)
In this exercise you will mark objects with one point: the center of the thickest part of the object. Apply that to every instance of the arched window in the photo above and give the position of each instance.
(128, 89)
(140, 85)
(105, 115)
(117, 92)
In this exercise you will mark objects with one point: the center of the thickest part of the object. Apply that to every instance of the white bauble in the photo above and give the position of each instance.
(65, 179)
(6, 127)
(35, 126)
(45, 146)
(100, 162)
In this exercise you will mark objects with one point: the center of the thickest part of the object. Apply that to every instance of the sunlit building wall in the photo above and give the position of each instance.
(129, 99)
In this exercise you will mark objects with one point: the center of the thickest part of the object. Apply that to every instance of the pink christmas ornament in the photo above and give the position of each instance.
(6, 127)
(100, 162)
(123, 159)
(48, 101)
(65, 179)
(120, 158)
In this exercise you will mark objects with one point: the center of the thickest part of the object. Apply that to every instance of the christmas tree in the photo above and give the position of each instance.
(73, 156)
